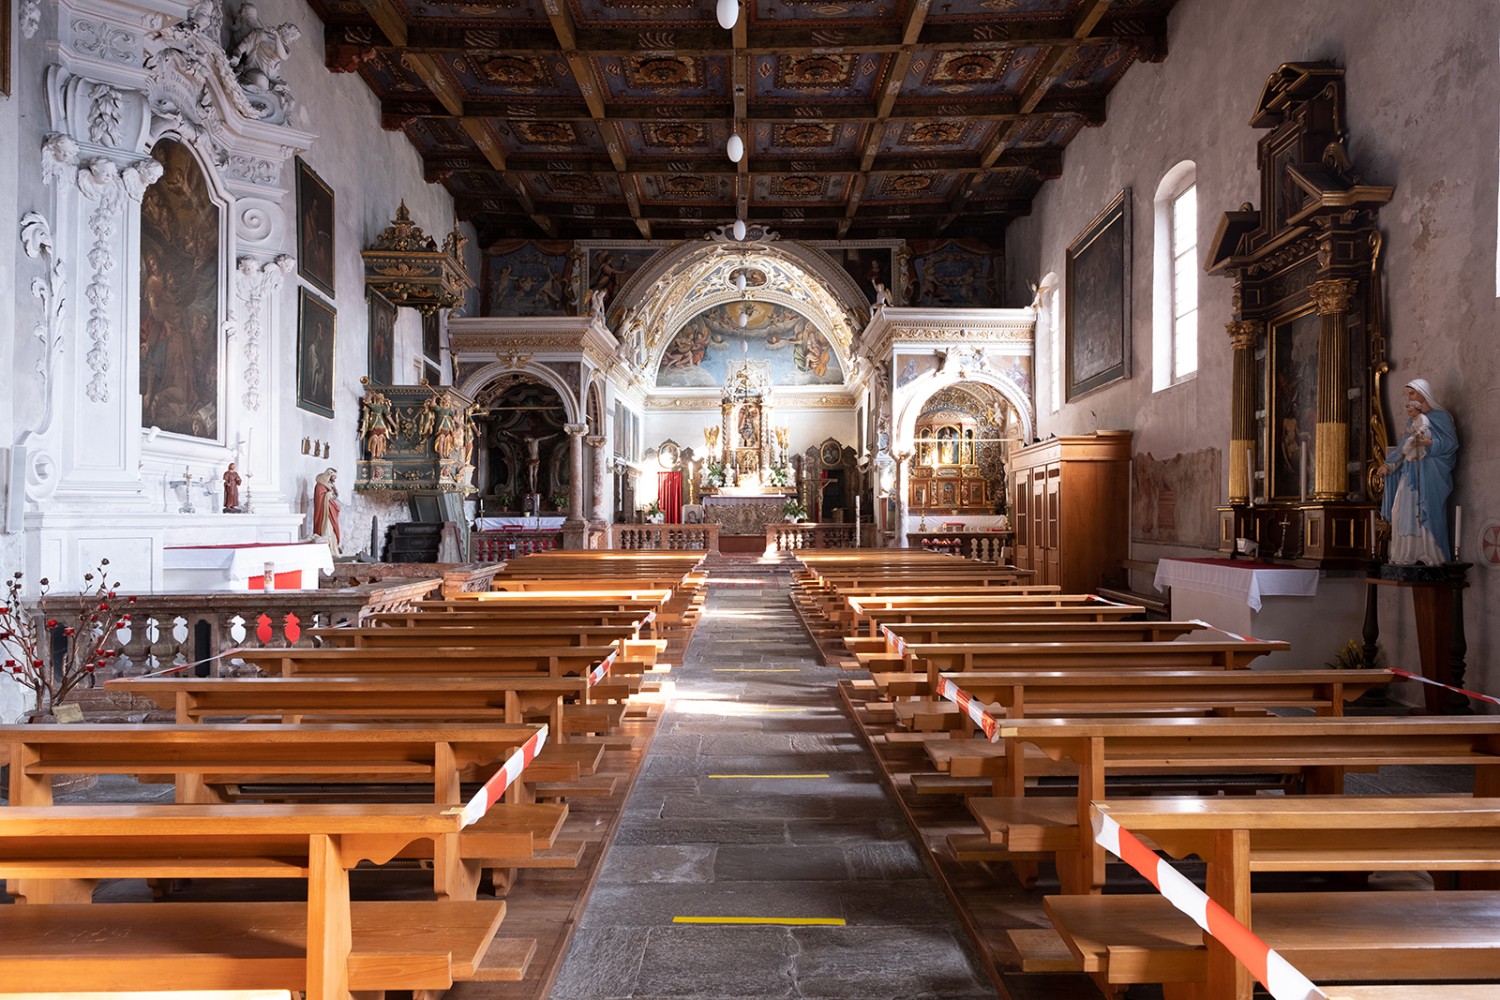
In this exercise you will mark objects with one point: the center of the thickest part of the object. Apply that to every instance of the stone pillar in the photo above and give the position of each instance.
(1242, 336)
(599, 508)
(575, 528)
(903, 495)
(1331, 457)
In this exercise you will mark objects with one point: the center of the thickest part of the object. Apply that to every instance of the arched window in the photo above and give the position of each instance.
(1174, 300)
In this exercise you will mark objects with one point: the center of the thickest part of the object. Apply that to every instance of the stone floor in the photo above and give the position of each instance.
(758, 801)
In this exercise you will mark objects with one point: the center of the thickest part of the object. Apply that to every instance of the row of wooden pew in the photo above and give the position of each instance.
(386, 743)
(1164, 729)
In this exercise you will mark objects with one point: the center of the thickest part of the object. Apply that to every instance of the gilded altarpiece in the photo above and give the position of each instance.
(1307, 427)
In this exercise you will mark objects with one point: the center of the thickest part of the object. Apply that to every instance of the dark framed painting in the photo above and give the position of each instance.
(317, 327)
(314, 229)
(382, 339)
(1098, 300)
(1292, 377)
(4, 47)
(432, 373)
(432, 337)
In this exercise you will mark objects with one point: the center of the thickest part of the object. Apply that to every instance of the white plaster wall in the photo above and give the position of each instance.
(1421, 89)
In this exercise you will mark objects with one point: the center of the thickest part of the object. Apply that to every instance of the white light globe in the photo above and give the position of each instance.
(729, 13)
(739, 229)
(739, 281)
(735, 147)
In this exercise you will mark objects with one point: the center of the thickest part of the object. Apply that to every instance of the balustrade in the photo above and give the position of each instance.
(981, 546)
(787, 537)
(682, 537)
(503, 546)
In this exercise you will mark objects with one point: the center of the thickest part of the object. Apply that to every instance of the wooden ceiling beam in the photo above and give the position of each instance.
(1045, 164)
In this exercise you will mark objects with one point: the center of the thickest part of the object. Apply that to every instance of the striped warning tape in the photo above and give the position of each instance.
(489, 793)
(984, 720)
(597, 674)
(1104, 600)
(1428, 680)
(1272, 971)
(895, 640)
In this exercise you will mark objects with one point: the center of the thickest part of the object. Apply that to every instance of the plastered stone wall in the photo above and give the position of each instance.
(1421, 88)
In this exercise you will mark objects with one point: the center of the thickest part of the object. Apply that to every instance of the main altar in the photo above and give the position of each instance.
(746, 481)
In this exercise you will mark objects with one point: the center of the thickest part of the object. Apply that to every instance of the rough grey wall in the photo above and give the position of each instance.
(1421, 113)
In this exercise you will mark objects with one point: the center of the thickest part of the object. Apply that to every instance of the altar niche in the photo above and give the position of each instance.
(1307, 426)
(524, 463)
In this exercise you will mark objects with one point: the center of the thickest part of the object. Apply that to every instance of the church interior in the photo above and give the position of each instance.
(830, 410)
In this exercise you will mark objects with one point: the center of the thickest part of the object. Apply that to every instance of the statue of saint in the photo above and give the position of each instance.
(261, 49)
(376, 426)
(231, 490)
(326, 509)
(1418, 479)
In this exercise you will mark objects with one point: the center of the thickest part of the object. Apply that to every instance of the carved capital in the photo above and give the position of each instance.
(577, 430)
(595, 440)
(1332, 295)
(1242, 333)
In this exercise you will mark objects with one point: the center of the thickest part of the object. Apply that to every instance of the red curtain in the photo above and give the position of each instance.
(669, 495)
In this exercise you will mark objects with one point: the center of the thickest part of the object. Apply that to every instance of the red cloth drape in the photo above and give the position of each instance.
(669, 495)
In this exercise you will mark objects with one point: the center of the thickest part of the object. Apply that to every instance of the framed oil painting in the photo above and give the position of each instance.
(432, 337)
(316, 329)
(4, 47)
(179, 288)
(382, 339)
(1098, 300)
(314, 229)
(1292, 373)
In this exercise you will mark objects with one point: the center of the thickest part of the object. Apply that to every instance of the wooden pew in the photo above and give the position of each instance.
(869, 617)
(326, 946)
(1318, 750)
(1022, 631)
(482, 617)
(1333, 935)
(205, 760)
(1222, 654)
(555, 661)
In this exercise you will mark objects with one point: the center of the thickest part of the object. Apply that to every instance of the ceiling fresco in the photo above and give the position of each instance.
(864, 119)
(787, 341)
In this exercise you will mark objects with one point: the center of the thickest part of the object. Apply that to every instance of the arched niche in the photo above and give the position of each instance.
(911, 398)
(958, 434)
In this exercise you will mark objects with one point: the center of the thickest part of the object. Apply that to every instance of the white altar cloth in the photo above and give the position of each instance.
(1240, 580)
(205, 568)
(518, 523)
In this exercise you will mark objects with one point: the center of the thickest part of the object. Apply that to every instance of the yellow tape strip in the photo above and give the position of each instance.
(768, 775)
(780, 921)
(757, 670)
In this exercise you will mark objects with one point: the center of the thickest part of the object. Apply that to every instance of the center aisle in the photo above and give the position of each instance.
(759, 855)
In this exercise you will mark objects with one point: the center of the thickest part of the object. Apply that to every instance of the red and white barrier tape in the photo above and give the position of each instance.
(597, 674)
(1272, 971)
(975, 711)
(894, 639)
(1233, 635)
(1428, 680)
(1105, 600)
(489, 793)
(650, 617)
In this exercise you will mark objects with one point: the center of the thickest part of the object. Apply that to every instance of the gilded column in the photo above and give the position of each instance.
(1331, 455)
(1243, 334)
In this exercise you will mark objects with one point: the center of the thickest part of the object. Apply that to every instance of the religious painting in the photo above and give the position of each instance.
(432, 337)
(526, 278)
(866, 265)
(382, 339)
(911, 367)
(793, 348)
(316, 329)
(180, 231)
(314, 229)
(1098, 301)
(954, 273)
(1293, 392)
(611, 267)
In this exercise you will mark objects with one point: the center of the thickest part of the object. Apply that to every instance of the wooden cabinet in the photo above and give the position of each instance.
(1071, 507)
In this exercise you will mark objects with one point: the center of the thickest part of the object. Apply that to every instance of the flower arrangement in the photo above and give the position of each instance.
(716, 474)
(55, 658)
(793, 510)
(560, 501)
(779, 475)
(502, 500)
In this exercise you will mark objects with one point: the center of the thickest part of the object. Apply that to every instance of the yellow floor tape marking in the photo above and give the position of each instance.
(768, 775)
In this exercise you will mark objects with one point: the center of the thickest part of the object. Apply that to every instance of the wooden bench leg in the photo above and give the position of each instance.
(329, 935)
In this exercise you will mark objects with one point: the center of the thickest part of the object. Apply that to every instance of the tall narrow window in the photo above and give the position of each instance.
(1174, 299)
(1185, 283)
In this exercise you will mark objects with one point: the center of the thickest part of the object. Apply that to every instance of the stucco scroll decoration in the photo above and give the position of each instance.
(186, 54)
(37, 242)
(30, 17)
(259, 51)
(257, 281)
(106, 41)
(104, 115)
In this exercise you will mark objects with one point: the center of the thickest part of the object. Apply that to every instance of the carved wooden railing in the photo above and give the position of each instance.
(808, 535)
(503, 546)
(167, 630)
(682, 537)
(983, 546)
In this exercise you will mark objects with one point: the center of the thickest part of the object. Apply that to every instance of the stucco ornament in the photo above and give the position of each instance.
(259, 51)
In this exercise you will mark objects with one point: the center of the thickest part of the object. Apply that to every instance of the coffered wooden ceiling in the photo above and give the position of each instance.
(607, 119)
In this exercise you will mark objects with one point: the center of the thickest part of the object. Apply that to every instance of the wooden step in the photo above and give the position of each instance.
(946, 784)
(506, 960)
(1042, 949)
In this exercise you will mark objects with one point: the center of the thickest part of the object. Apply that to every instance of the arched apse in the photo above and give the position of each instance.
(913, 396)
(792, 349)
(479, 382)
(687, 281)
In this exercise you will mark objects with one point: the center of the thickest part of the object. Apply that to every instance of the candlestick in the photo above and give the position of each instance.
(1458, 530)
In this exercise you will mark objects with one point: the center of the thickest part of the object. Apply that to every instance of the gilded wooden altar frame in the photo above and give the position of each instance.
(1307, 425)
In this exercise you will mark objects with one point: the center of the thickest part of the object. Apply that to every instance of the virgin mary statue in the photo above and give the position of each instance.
(1418, 478)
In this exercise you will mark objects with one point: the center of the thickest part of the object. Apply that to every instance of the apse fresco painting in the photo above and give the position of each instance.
(180, 299)
(797, 353)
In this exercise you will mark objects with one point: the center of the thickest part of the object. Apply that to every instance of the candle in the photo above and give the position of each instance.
(1302, 453)
(1458, 530)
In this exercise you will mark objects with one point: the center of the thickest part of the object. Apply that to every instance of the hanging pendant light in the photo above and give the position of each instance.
(735, 147)
(739, 229)
(728, 12)
(739, 280)
(745, 321)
